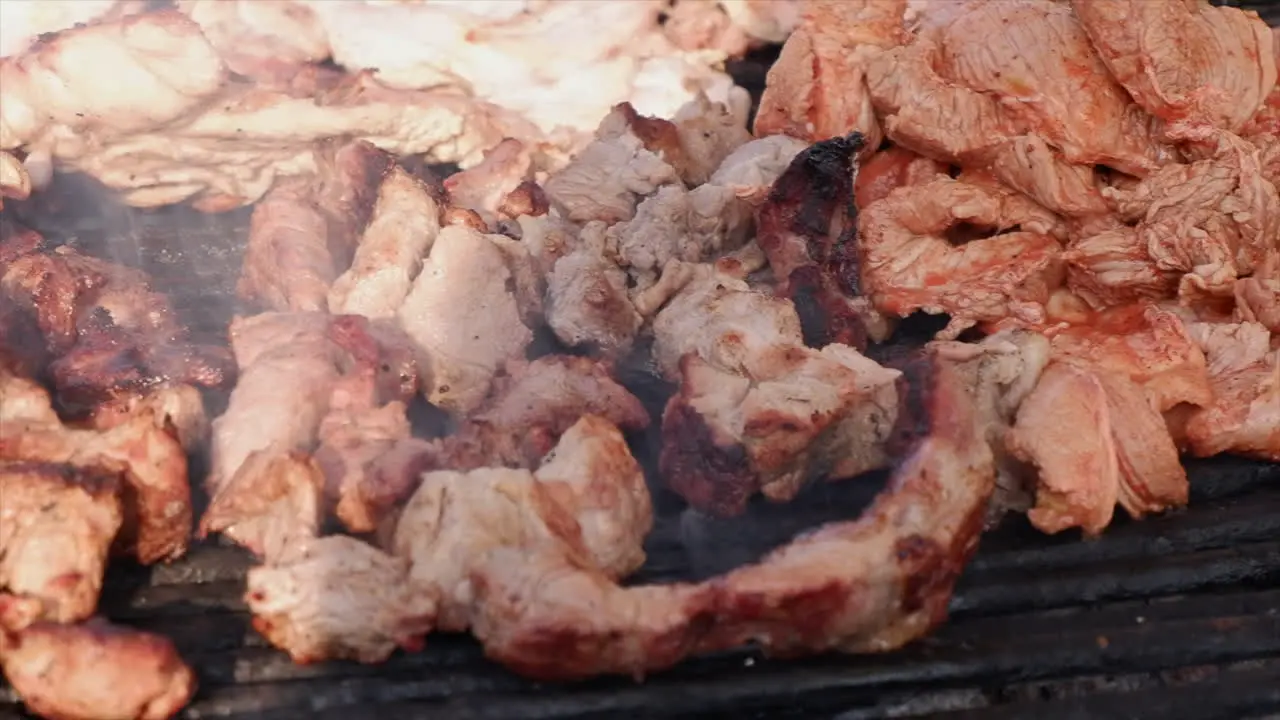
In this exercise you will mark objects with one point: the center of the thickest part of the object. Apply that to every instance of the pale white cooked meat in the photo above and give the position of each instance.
(483, 187)
(570, 507)
(751, 170)
(287, 365)
(608, 177)
(722, 320)
(339, 598)
(15, 182)
(588, 304)
(266, 41)
(463, 318)
(22, 22)
(274, 501)
(57, 524)
(404, 225)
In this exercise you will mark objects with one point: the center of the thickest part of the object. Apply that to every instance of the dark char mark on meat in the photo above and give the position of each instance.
(811, 200)
(916, 388)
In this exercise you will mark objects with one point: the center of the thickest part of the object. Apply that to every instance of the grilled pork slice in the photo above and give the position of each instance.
(799, 415)
(1244, 374)
(338, 598)
(909, 263)
(113, 341)
(816, 89)
(402, 228)
(530, 408)
(303, 233)
(1095, 440)
(464, 316)
(587, 502)
(143, 449)
(1145, 343)
(879, 582)
(1166, 55)
(57, 523)
(303, 374)
(95, 671)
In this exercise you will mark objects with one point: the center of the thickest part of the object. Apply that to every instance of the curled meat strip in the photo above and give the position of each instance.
(909, 263)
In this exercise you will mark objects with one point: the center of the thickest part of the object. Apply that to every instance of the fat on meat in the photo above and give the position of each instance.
(303, 233)
(402, 229)
(338, 597)
(57, 524)
(464, 318)
(1212, 221)
(1244, 374)
(95, 670)
(1145, 343)
(15, 181)
(513, 54)
(815, 90)
(1095, 440)
(143, 450)
(1189, 63)
(909, 264)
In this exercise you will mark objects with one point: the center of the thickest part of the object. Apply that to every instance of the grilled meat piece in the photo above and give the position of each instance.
(95, 671)
(315, 374)
(808, 230)
(530, 408)
(879, 582)
(890, 169)
(338, 598)
(1244, 374)
(404, 225)
(816, 90)
(304, 232)
(57, 523)
(1210, 221)
(1096, 440)
(1167, 54)
(800, 414)
(112, 339)
(464, 318)
(484, 187)
(908, 263)
(587, 503)
(143, 449)
(1147, 344)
